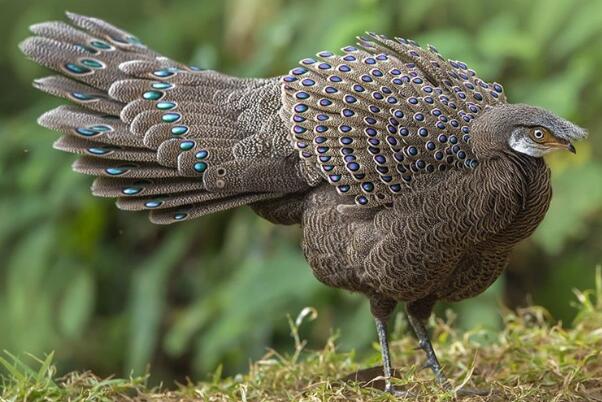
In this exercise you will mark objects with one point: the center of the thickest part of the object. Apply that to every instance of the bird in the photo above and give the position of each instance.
(411, 178)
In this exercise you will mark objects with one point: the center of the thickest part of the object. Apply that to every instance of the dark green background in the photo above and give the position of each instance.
(110, 292)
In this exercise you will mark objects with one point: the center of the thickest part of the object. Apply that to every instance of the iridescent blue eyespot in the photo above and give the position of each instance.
(299, 129)
(83, 96)
(358, 88)
(498, 88)
(334, 177)
(302, 95)
(322, 117)
(370, 120)
(423, 132)
(370, 131)
(179, 130)
(350, 99)
(163, 73)
(101, 45)
(171, 117)
(76, 68)
(92, 63)
(347, 112)
(344, 68)
(298, 71)
(418, 117)
(335, 78)
(361, 200)
(430, 146)
(353, 166)
(412, 151)
(101, 150)
(179, 216)
(308, 82)
(162, 85)
(301, 108)
(200, 167)
(325, 102)
(343, 188)
(346, 140)
(404, 132)
(368, 186)
(153, 203)
(202, 154)
(116, 171)
(186, 145)
(152, 95)
(165, 105)
(86, 132)
(131, 190)
(366, 78)
(442, 138)
(331, 90)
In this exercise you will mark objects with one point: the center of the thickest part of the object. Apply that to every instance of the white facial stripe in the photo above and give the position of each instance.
(525, 145)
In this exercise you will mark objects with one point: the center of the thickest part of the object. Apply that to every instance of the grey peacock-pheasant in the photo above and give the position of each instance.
(411, 177)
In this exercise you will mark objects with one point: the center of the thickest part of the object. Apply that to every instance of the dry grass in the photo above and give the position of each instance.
(532, 359)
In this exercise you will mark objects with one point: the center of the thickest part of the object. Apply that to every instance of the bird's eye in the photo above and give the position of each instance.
(538, 134)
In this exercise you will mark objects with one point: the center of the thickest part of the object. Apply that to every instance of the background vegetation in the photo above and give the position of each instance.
(110, 292)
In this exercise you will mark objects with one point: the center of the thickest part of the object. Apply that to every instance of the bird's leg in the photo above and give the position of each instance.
(425, 344)
(433, 363)
(381, 309)
(381, 330)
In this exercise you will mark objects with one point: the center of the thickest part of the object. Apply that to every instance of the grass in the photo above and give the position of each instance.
(532, 359)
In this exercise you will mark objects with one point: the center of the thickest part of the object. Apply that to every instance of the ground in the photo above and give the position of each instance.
(532, 359)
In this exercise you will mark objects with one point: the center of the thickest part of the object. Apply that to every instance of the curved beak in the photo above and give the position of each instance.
(571, 148)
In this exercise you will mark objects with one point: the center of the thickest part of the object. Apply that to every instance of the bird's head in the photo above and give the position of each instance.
(524, 129)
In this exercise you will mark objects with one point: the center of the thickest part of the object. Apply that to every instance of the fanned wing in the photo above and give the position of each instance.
(376, 118)
(150, 128)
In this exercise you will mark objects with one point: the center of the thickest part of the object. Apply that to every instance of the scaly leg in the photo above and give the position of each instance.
(425, 344)
(433, 363)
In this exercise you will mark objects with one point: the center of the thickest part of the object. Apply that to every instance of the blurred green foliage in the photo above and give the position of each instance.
(108, 291)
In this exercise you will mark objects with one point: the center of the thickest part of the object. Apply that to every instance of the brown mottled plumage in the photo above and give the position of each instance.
(411, 177)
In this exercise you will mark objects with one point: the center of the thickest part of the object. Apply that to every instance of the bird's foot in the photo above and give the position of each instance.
(470, 391)
(399, 393)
